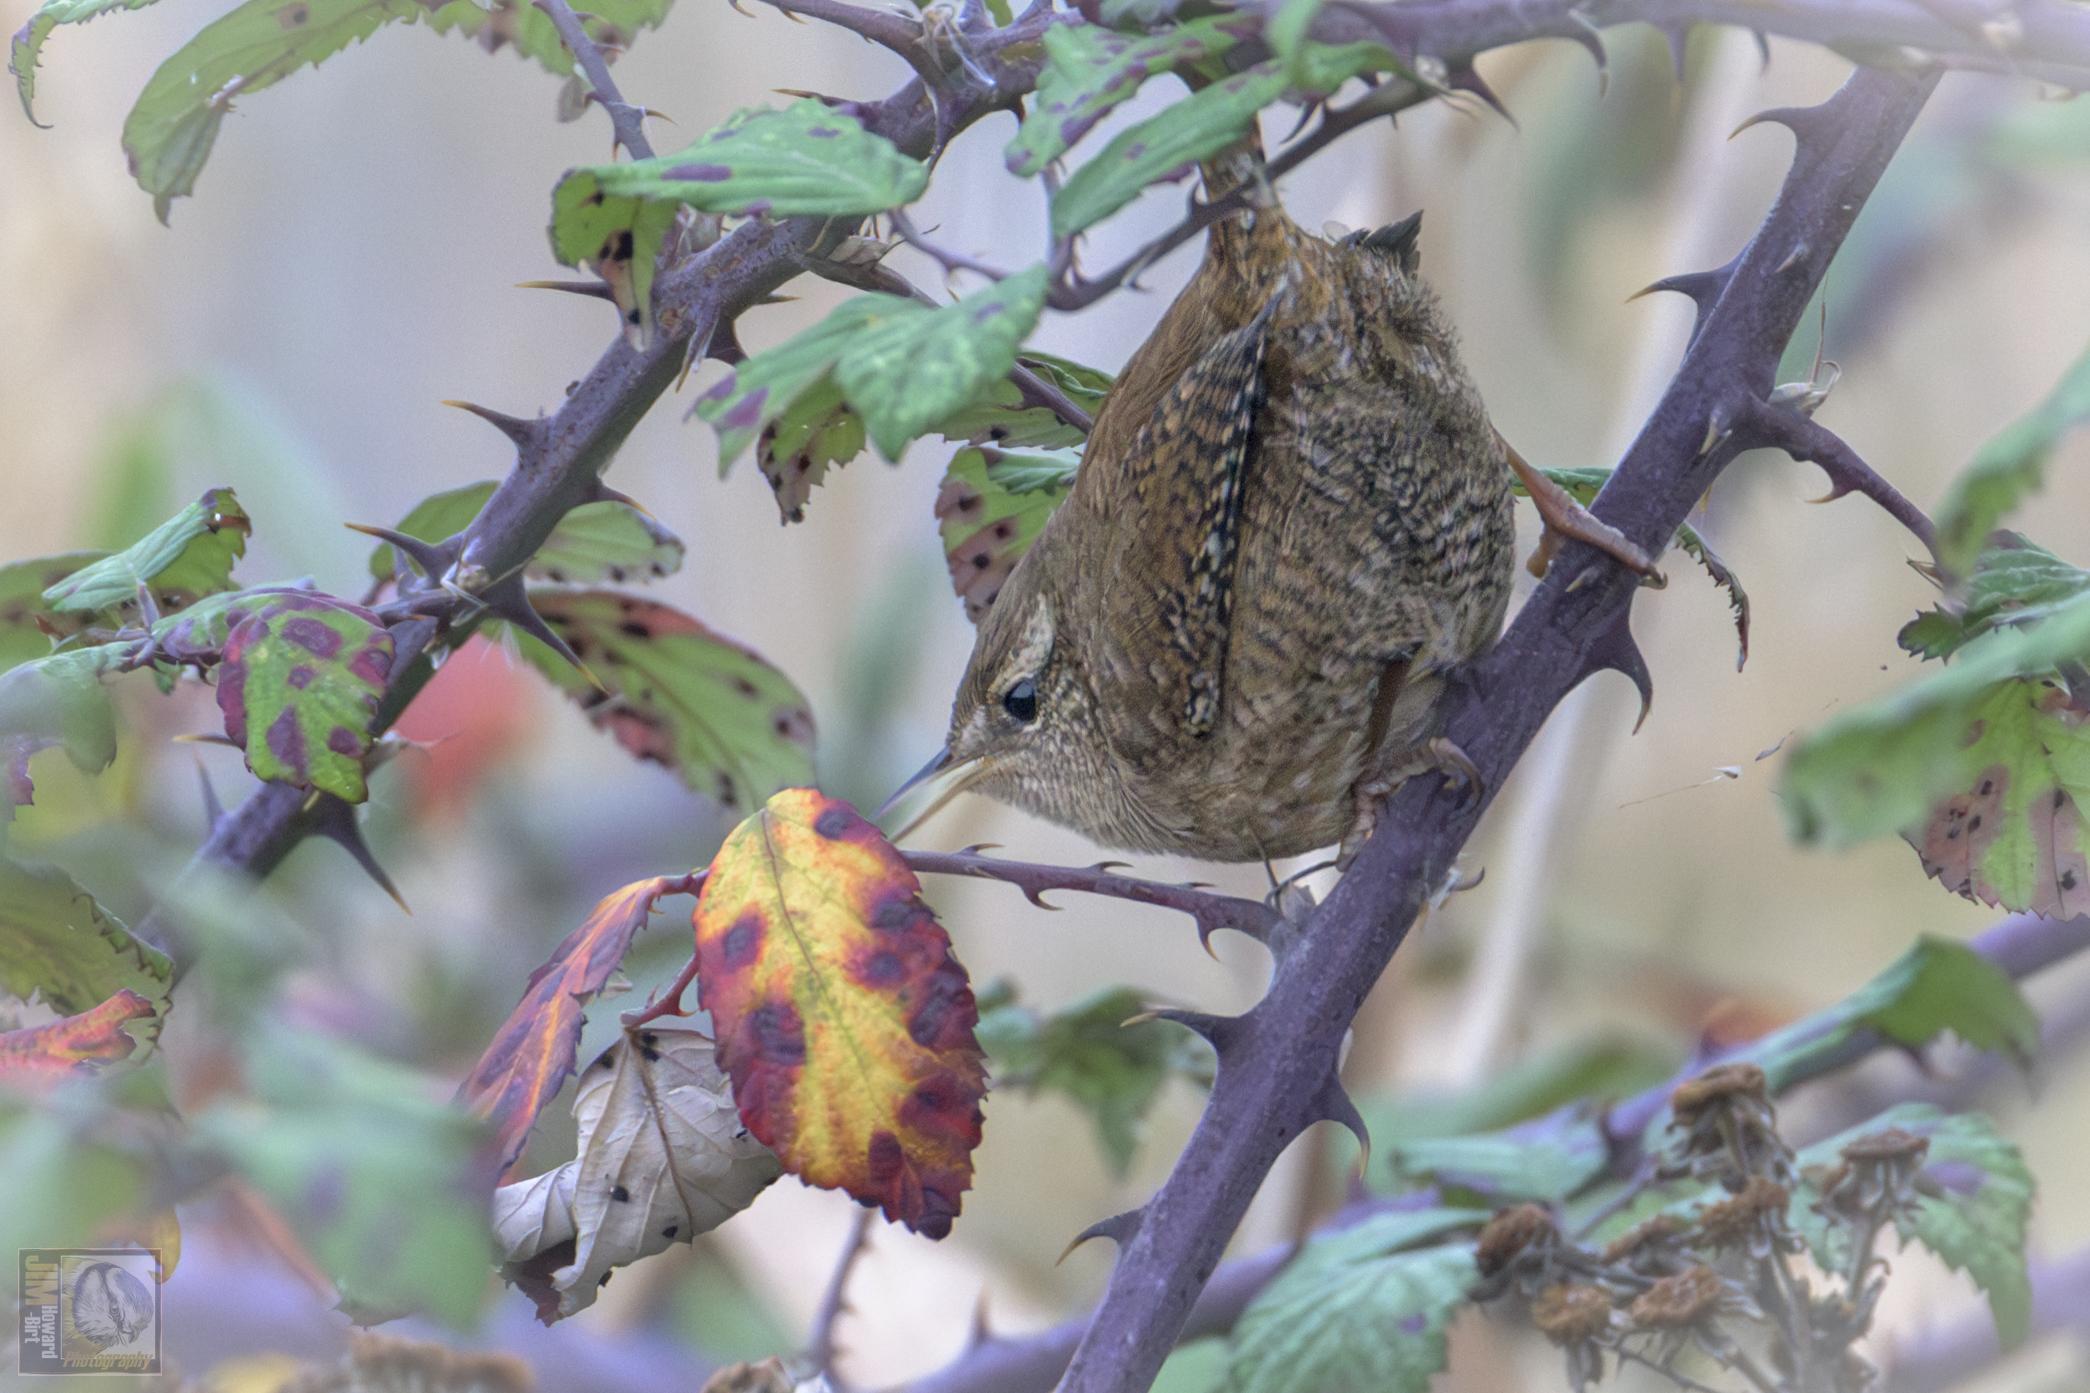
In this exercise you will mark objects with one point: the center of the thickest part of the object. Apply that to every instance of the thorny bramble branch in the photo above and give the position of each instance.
(627, 120)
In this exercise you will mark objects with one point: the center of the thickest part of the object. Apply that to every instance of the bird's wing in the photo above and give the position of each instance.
(1168, 590)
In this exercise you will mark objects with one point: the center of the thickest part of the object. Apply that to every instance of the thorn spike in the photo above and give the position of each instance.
(517, 430)
(1335, 1105)
(1619, 652)
(506, 599)
(1219, 1032)
(213, 810)
(1678, 37)
(431, 557)
(593, 290)
(1118, 1228)
(336, 821)
(1465, 78)
(605, 494)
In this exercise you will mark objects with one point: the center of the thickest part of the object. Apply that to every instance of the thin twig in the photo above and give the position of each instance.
(820, 1347)
(1807, 440)
(627, 120)
(1211, 910)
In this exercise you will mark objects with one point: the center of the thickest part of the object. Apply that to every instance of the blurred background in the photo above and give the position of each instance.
(348, 262)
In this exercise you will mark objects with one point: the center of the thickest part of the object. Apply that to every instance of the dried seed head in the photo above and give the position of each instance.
(1567, 1314)
(1892, 1145)
(1675, 1302)
(1508, 1234)
(1641, 1239)
(1877, 1174)
(1718, 1086)
(1758, 1212)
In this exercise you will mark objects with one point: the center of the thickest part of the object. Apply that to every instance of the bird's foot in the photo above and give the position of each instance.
(1436, 755)
(1567, 520)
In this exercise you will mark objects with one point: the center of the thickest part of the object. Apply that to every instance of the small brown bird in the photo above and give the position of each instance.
(1293, 518)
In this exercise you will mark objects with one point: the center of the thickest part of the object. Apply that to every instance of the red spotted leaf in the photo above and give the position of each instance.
(299, 687)
(990, 509)
(842, 1018)
(533, 1053)
(675, 692)
(46, 1054)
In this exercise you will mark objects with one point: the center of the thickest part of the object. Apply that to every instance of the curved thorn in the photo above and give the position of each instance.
(431, 557)
(1118, 1228)
(1037, 897)
(603, 493)
(1802, 121)
(1701, 288)
(980, 1334)
(1217, 1031)
(1465, 78)
(508, 600)
(1335, 1105)
(518, 430)
(1678, 37)
(213, 810)
(336, 821)
(209, 737)
(1592, 40)
(1619, 652)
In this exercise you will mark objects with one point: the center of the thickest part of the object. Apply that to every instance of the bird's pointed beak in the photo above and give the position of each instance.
(940, 762)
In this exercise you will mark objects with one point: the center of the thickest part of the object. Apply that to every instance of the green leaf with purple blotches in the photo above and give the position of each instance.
(606, 540)
(1089, 70)
(299, 687)
(188, 555)
(917, 365)
(26, 623)
(762, 388)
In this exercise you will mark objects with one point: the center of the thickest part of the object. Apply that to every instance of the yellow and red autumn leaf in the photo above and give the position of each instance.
(842, 1019)
(533, 1053)
(36, 1056)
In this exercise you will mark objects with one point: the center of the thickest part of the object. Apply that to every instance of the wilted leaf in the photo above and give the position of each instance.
(816, 430)
(1089, 1054)
(843, 1019)
(39, 1056)
(384, 1186)
(2014, 582)
(1973, 1200)
(28, 42)
(58, 944)
(56, 700)
(26, 625)
(2008, 468)
(1984, 767)
(299, 686)
(531, 1056)
(608, 540)
(611, 23)
(1360, 1310)
(989, 510)
(187, 556)
(731, 726)
(1504, 1167)
(1937, 986)
(1089, 70)
(663, 1157)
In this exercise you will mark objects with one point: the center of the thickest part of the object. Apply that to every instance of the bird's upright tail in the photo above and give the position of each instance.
(1259, 230)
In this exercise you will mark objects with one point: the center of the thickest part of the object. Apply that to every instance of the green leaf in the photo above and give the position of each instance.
(987, 522)
(902, 367)
(386, 1186)
(2014, 582)
(1195, 128)
(1505, 1167)
(1973, 1201)
(1361, 1310)
(1938, 985)
(727, 723)
(198, 634)
(917, 365)
(1089, 70)
(816, 432)
(57, 700)
(299, 687)
(22, 587)
(29, 39)
(999, 416)
(1088, 1054)
(1287, 29)
(764, 387)
(1984, 767)
(1200, 126)
(608, 540)
(1597, 1070)
(808, 159)
(611, 23)
(57, 942)
(187, 556)
(2009, 467)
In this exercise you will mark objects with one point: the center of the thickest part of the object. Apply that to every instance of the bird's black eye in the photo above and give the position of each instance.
(1021, 701)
